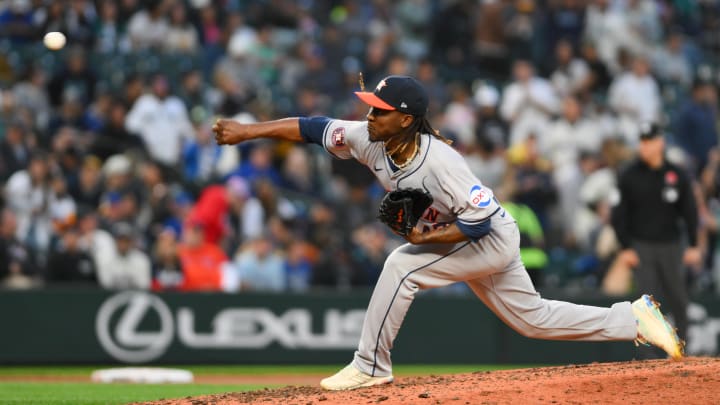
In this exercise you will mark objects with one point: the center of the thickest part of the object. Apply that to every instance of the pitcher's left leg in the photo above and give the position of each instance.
(407, 270)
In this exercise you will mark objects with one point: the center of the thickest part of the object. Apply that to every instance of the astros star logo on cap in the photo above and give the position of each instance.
(380, 85)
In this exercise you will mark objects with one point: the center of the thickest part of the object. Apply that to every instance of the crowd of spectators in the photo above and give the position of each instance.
(110, 175)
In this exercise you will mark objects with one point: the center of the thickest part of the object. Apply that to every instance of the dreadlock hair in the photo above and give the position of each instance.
(422, 125)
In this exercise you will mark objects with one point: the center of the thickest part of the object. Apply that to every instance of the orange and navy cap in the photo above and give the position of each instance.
(401, 93)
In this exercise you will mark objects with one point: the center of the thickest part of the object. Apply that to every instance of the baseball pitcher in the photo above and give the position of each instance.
(455, 228)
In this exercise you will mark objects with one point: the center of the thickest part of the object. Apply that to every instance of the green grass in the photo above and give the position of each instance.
(52, 393)
(91, 394)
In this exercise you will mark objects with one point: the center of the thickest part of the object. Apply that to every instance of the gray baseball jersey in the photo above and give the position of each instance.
(458, 195)
(489, 262)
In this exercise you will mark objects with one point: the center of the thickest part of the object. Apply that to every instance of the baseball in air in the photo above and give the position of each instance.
(54, 40)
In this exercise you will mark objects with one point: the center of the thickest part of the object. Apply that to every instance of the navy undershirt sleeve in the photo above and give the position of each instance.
(474, 231)
(313, 128)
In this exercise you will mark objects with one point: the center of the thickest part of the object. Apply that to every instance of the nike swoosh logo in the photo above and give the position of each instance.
(377, 169)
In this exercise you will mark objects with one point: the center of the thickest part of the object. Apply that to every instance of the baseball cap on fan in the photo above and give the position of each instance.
(650, 130)
(400, 93)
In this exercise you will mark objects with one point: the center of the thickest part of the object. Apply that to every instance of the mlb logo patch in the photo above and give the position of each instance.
(480, 197)
(338, 136)
(671, 177)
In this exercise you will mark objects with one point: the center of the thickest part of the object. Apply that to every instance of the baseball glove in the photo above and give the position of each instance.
(401, 209)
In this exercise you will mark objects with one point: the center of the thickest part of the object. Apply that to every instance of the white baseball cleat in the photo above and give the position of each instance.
(654, 329)
(350, 378)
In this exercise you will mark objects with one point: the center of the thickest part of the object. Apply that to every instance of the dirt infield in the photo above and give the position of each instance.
(690, 381)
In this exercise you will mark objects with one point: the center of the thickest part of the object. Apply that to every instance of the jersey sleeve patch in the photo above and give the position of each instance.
(338, 137)
(346, 139)
(480, 197)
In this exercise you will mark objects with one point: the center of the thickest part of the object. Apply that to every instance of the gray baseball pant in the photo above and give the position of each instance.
(493, 270)
(661, 273)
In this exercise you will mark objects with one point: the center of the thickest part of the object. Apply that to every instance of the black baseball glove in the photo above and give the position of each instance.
(401, 209)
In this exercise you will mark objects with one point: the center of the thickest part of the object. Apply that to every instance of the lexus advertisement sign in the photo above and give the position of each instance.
(118, 326)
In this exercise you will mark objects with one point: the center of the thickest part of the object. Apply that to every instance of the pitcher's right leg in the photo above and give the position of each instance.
(512, 297)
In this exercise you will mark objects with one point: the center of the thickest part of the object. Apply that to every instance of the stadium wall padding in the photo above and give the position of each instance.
(133, 327)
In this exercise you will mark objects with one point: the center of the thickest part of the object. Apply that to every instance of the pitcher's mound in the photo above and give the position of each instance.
(689, 381)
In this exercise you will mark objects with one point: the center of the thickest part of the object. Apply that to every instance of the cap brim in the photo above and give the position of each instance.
(372, 100)
(651, 136)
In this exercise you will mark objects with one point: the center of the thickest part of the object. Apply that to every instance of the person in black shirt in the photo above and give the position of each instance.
(114, 138)
(69, 263)
(655, 197)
